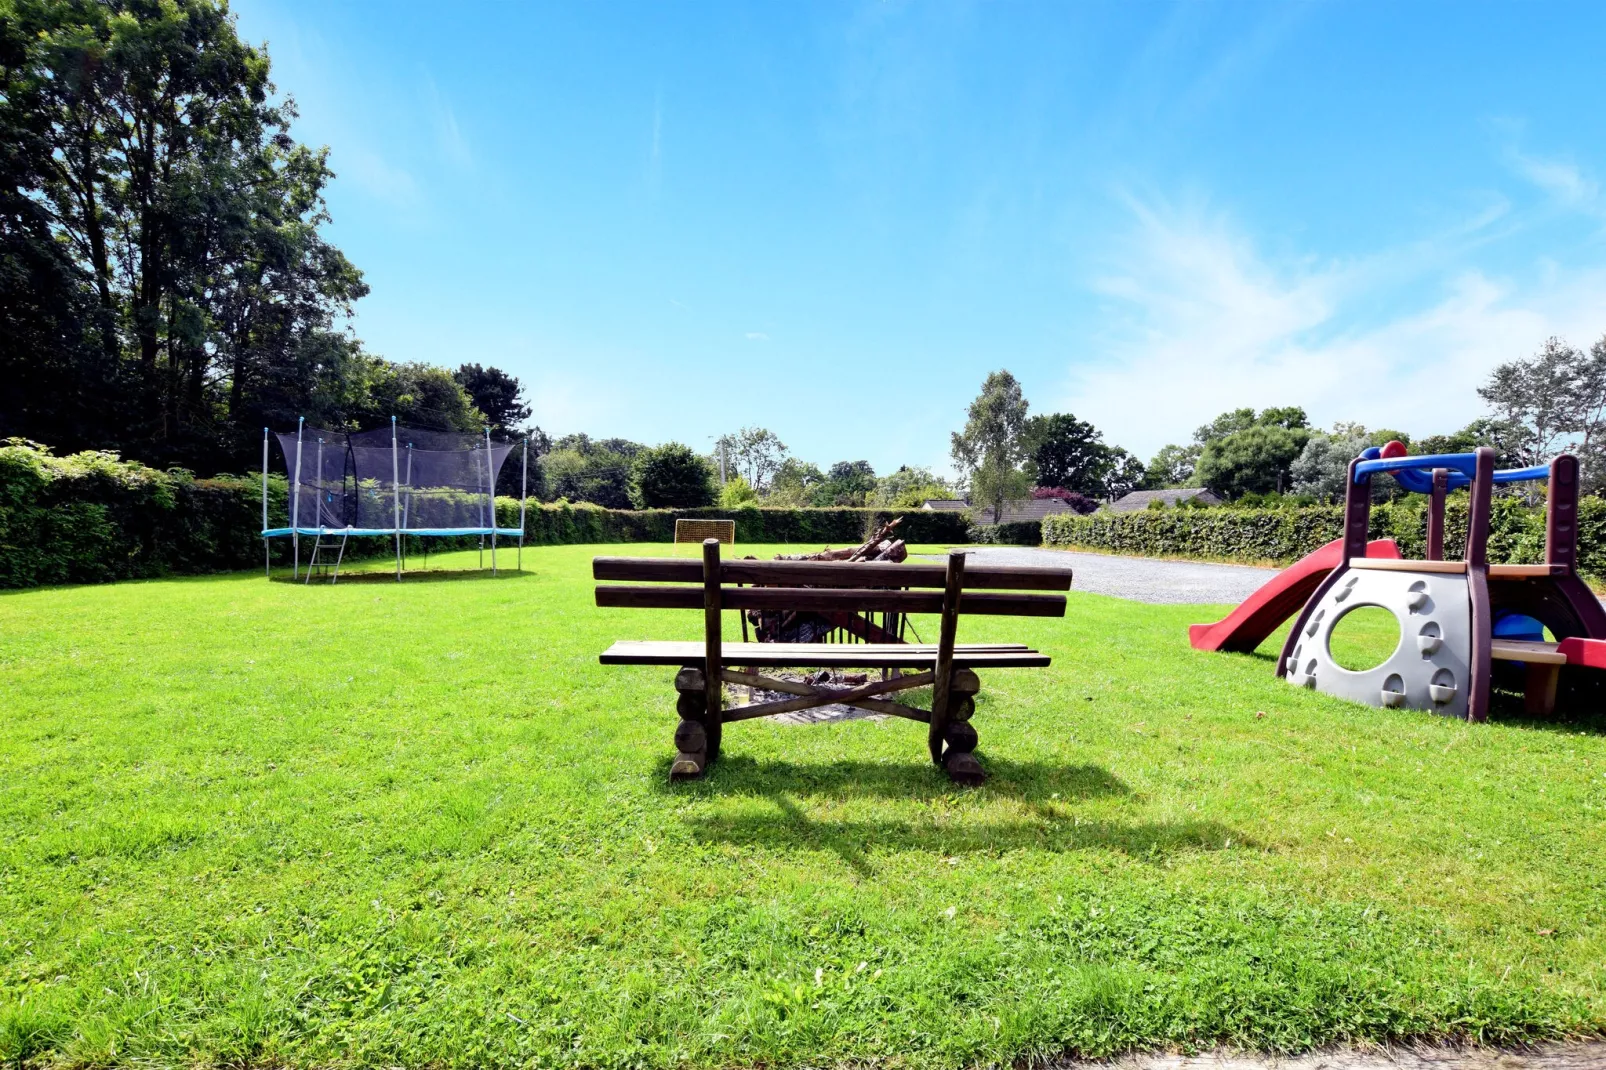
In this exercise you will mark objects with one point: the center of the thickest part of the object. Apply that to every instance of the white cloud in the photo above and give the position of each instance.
(1204, 323)
(448, 135)
(1568, 185)
(371, 173)
(756, 336)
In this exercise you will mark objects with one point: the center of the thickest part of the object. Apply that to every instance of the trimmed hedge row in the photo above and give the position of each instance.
(93, 518)
(548, 525)
(1516, 535)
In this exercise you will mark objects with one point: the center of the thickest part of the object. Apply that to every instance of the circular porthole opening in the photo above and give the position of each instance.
(1363, 638)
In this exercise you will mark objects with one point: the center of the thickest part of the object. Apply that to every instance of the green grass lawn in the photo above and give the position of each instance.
(378, 824)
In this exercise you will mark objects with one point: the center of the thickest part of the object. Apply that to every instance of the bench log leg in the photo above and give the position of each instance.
(959, 735)
(697, 736)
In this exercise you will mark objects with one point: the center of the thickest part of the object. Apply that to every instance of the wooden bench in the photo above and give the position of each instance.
(947, 667)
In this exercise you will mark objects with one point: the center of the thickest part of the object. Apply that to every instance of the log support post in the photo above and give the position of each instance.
(959, 737)
(696, 736)
(941, 685)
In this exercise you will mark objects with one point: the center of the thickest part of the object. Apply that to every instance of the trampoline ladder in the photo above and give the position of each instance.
(334, 576)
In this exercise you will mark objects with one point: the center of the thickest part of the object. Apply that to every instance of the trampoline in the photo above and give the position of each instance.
(390, 482)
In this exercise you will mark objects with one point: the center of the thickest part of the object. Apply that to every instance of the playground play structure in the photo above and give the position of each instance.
(391, 482)
(1457, 618)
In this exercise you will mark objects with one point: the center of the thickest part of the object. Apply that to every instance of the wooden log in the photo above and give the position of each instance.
(964, 707)
(960, 736)
(943, 683)
(965, 682)
(691, 737)
(963, 768)
(692, 705)
(687, 767)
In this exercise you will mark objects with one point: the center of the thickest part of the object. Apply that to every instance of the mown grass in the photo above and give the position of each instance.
(418, 824)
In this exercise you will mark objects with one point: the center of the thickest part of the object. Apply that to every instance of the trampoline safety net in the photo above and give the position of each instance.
(392, 480)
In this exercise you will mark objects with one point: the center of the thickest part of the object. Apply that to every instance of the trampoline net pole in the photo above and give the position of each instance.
(490, 477)
(395, 495)
(295, 506)
(524, 494)
(267, 552)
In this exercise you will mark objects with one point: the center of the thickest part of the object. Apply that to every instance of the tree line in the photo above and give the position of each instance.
(1539, 406)
(166, 287)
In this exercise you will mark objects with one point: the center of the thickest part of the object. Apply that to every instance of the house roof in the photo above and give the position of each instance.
(1140, 499)
(946, 505)
(1018, 509)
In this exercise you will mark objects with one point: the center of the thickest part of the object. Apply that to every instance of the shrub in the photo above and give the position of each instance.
(1516, 535)
(671, 476)
(93, 517)
(736, 493)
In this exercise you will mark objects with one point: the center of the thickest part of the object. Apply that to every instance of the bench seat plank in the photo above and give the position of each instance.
(826, 655)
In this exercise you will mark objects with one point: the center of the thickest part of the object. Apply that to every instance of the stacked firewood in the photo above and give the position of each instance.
(879, 547)
(796, 626)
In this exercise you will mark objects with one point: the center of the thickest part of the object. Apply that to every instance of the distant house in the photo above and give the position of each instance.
(946, 505)
(1140, 499)
(1016, 510)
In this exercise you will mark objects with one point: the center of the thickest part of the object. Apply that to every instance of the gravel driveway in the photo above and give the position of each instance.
(1140, 579)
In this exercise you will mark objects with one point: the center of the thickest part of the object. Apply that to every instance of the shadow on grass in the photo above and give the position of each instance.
(412, 576)
(791, 828)
(736, 774)
(1580, 705)
(1046, 789)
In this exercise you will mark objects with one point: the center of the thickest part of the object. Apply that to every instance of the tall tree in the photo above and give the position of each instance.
(990, 449)
(497, 394)
(1066, 452)
(1557, 397)
(1255, 460)
(756, 453)
(191, 293)
(671, 476)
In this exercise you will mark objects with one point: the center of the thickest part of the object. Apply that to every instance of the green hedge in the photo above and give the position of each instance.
(550, 525)
(93, 518)
(1516, 535)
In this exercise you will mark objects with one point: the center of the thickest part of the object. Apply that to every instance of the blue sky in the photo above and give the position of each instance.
(672, 220)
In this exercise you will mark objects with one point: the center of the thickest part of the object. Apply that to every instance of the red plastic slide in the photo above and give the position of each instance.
(1246, 627)
(1590, 653)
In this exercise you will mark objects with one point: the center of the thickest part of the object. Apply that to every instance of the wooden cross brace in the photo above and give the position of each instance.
(811, 696)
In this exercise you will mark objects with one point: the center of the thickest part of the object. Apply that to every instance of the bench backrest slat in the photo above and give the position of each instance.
(817, 599)
(828, 574)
